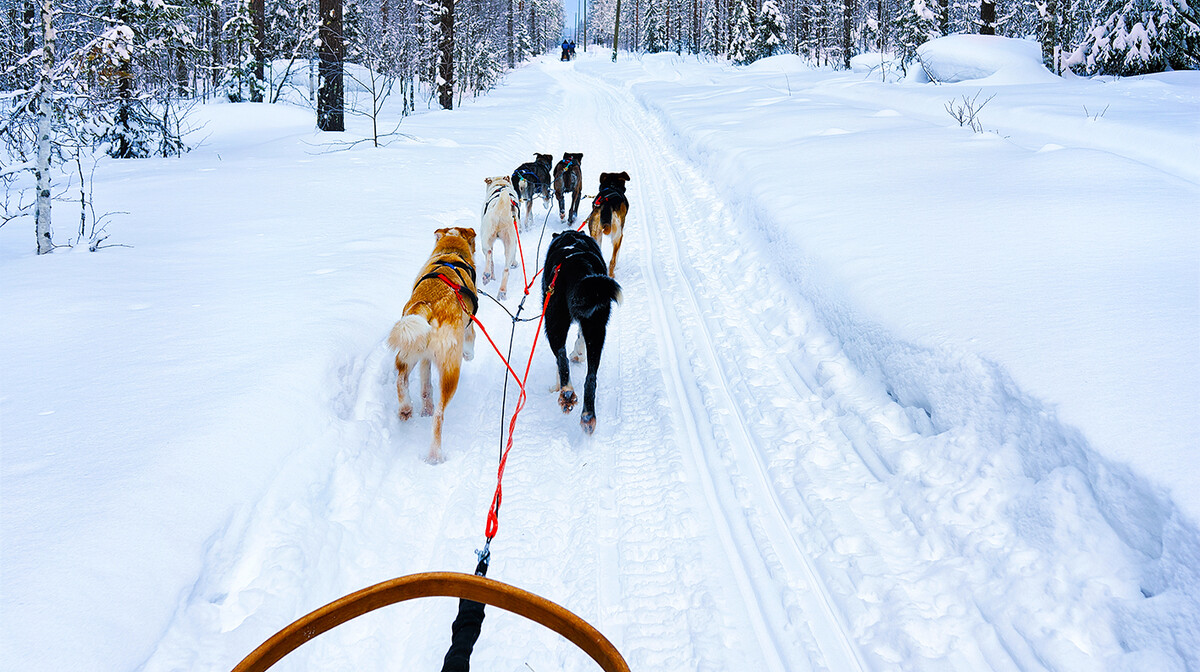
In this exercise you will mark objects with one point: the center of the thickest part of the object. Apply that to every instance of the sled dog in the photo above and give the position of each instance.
(579, 291)
(568, 177)
(533, 179)
(436, 327)
(499, 222)
(608, 213)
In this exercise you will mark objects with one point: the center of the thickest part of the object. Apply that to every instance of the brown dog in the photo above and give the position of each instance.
(437, 328)
(568, 177)
(608, 213)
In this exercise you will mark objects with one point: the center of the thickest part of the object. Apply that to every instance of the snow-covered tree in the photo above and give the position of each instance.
(771, 34)
(655, 40)
(915, 27)
(241, 79)
(742, 35)
(1133, 37)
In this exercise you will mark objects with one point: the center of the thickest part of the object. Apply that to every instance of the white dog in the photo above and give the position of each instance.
(501, 213)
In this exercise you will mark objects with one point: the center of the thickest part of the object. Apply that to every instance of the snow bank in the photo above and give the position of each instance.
(982, 59)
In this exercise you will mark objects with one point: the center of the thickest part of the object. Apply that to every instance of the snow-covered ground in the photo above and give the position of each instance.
(884, 393)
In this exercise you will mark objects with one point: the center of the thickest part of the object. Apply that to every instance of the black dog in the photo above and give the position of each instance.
(568, 176)
(579, 291)
(533, 179)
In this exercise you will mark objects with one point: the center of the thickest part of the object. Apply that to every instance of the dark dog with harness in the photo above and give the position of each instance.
(568, 176)
(579, 291)
(608, 213)
(533, 179)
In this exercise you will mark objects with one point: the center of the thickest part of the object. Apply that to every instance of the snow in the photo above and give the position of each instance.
(989, 59)
(884, 393)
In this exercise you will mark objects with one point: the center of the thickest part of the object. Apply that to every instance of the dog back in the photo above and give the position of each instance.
(453, 258)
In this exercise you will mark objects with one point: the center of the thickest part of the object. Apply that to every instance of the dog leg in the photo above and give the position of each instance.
(449, 383)
(488, 269)
(426, 390)
(402, 369)
(577, 353)
(566, 393)
(469, 341)
(616, 240)
(556, 336)
(595, 330)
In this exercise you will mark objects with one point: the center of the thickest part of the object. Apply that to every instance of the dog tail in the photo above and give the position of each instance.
(591, 294)
(606, 211)
(411, 334)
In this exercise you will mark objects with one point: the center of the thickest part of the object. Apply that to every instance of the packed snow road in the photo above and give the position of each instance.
(753, 496)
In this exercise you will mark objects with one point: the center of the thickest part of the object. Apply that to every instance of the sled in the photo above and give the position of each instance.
(437, 584)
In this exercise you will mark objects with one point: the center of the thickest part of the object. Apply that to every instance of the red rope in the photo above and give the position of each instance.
(517, 228)
(493, 519)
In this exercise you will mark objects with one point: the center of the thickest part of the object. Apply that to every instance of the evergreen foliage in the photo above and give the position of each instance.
(742, 47)
(771, 34)
(1134, 37)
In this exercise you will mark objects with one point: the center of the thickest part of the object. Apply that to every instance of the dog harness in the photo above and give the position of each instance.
(458, 267)
(532, 176)
(608, 194)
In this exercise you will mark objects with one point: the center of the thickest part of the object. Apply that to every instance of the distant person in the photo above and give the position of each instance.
(571, 48)
(566, 51)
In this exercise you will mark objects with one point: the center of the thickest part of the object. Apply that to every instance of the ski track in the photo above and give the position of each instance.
(740, 461)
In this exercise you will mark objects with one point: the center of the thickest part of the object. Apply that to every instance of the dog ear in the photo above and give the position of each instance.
(469, 234)
(623, 175)
(488, 181)
(440, 233)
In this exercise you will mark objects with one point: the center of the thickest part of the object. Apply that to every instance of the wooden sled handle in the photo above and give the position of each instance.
(436, 584)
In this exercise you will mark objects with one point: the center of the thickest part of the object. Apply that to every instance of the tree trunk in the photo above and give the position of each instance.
(215, 18)
(332, 51)
(44, 113)
(987, 17)
(181, 73)
(944, 16)
(847, 34)
(258, 16)
(446, 47)
(1048, 34)
(616, 31)
(512, 63)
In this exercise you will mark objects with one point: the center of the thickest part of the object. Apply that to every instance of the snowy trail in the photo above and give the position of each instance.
(750, 499)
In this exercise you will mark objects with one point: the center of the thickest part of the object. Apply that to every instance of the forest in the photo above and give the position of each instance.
(85, 78)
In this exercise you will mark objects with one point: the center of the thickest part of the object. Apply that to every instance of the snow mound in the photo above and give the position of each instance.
(982, 58)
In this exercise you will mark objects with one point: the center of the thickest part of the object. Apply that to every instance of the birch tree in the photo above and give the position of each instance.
(44, 115)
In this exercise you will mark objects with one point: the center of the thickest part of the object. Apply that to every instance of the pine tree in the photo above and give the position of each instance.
(1139, 36)
(656, 32)
(915, 27)
(241, 80)
(771, 35)
(741, 42)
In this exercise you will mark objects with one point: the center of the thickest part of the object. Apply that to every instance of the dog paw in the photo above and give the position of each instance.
(587, 422)
(567, 400)
(427, 409)
(502, 295)
(405, 412)
(576, 356)
(487, 277)
(435, 458)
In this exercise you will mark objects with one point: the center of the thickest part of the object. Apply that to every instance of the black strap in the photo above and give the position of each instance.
(607, 193)
(462, 288)
(465, 630)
